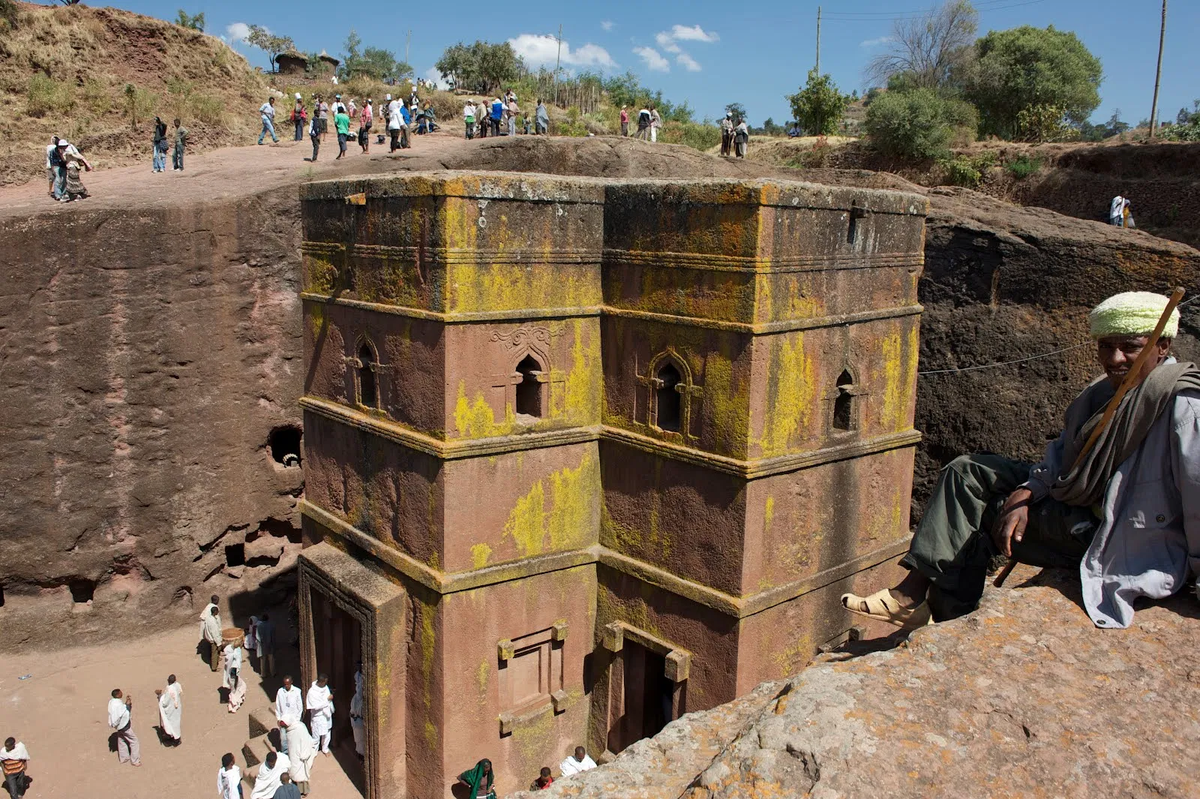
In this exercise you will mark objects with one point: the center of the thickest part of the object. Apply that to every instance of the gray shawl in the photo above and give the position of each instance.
(1085, 483)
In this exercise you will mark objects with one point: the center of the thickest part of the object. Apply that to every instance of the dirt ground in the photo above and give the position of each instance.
(60, 712)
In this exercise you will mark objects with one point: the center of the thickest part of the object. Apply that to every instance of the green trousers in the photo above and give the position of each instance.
(953, 543)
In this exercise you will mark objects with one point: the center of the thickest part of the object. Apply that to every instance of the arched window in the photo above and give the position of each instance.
(667, 397)
(368, 392)
(844, 416)
(529, 389)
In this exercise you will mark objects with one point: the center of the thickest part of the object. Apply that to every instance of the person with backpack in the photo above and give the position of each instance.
(497, 115)
(469, 118)
(160, 146)
(299, 116)
(643, 125)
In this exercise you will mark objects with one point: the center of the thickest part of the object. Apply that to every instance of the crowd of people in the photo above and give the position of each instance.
(401, 120)
(480, 779)
(734, 135)
(503, 116)
(64, 164)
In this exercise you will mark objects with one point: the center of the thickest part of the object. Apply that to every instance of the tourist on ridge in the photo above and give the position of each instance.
(120, 718)
(266, 644)
(160, 146)
(655, 123)
(741, 135)
(405, 127)
(573, 764)
(287, 789)
(299, 116)
(322, 112)
(314, 135)
(181, 134)
(170, 711)
(289, 708)
(497, 115)
(210, 630)
(1125, 516)
(468, 120)
(319, 702)
(484, 116)
(73, 188)
(53, 161)
(643, 125)
(624, 121)
(543, 781)
(479, 780)
(229, 778)
(337, 106)
(512, 111)
(267, 112)
(727, 134)
(393, 125)
(302, 753)
(541, 119)
(366, 118)
(14, 760)
(270, 776)
(351, 108)
(341, 121)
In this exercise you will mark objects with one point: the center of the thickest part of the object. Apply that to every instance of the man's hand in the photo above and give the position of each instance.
(1014, 516)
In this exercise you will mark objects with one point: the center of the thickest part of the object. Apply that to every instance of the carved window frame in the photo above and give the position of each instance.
(542, 375)
(855, 392)
(686, 387)
(377, 368)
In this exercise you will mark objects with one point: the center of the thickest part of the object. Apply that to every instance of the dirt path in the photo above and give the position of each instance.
(232, 172)
(60, 712)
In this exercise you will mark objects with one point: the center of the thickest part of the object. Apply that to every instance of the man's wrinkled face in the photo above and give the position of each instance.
(1117, 354)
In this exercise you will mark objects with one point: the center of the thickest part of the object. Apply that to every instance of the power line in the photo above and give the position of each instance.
(891, 16)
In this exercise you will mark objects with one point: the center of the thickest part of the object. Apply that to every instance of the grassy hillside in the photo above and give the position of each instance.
(98, 76)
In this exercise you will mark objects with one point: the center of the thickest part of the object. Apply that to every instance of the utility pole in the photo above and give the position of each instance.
(818, 40)
(407, 44)
(1162, 33)
(557, 62)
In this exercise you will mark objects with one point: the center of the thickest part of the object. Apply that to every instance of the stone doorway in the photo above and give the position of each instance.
(648, 686)
(337, 637)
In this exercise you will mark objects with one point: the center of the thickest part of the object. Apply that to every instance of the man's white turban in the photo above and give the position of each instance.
(1134, 313)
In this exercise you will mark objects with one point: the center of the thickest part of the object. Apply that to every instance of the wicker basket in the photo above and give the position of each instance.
(233, 635)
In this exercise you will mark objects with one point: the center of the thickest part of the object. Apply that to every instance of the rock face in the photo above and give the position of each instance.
(1023, 698)
(147, 357)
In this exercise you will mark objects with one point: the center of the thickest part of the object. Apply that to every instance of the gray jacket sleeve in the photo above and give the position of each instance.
(1043, 474)
(1185, 463)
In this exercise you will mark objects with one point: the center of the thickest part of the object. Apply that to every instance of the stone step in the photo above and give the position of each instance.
(255, 750)
(262, 721)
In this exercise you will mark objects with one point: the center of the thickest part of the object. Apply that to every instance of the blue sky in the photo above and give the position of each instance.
(712, 53)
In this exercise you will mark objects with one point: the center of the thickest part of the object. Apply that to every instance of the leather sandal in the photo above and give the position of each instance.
(882, 606)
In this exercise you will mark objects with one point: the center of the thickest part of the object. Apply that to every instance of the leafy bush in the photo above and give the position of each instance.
(692, 134)
(96, 97)
(1023, 167)
(968, 170)
(1187, 125)
(45, 95)
(139, 103)
(1041, 122)
(819, 106)
(919, 125)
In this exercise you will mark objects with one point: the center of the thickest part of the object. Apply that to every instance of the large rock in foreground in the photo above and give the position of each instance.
(1023, 698)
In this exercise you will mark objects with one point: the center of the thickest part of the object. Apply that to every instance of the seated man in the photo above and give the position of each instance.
(1127, 516)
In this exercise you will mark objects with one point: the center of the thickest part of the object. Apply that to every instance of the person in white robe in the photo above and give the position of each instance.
(289, 707)
(267, 782)
(358, 724)
(170, 710)
(229, 778)
(237, 691)
(319, 701)
(233, 662)
(576, 763)
(302, 753)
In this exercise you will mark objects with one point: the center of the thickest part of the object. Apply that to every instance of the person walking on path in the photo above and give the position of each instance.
(341, 121)
(51, 167)
(170, 711)
(120, 718)
(73, 162)
(14, 759)
(181, 134)
(541, 119)
(624, 121)
(512, 111)
(468, 118)
(322, 111)
(741, 135)
(320, 712)
(655, 123)
(160, 146)
(405, 127)
(497, 115)
(299, 116)
(267, 112)
(366, 118)
(314, 134)
(289, 707)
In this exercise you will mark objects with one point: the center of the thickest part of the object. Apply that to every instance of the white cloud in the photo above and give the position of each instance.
(653, 59)
(608, 25)
(667, 42)
(687, 62)
(237, 32)
(693, 34)
(541, 50)
(435, 77)
(877, 42)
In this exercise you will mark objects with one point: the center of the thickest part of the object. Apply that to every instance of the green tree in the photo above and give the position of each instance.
(1026, 67)
(273, 45)
(819, 106)
(919, 125)
(737, 109)
(373, 62)
(481, 67)
(193, 21)
(930, 50)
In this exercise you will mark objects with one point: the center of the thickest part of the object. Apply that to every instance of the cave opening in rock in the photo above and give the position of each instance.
(235, 555)
(82, 591)
(284, 443)
(1, 595)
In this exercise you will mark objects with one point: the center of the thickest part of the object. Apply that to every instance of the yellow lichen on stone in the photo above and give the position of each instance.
(899, 368)
(482, 675)
(726, 401)
(563, 525)
(791, 394)
(480, 554)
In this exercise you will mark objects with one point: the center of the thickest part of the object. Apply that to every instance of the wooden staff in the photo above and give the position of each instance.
(1131, 378)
